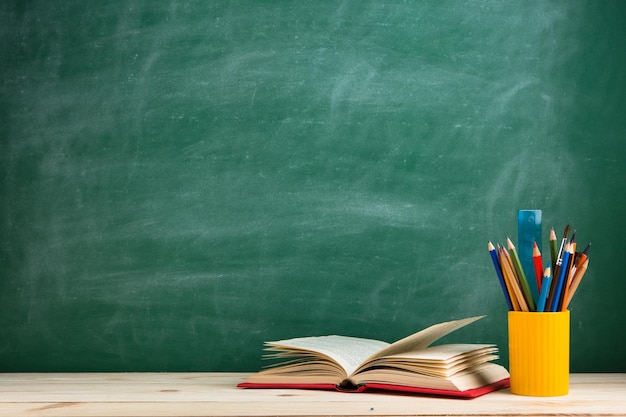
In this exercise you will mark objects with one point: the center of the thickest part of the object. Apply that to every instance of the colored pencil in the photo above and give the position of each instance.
(556, 284)
(508, 279)
(573, 242)
(580, 272)
(580, 258)
(556, 268)
(569, 272)
(558, 289)
(583, 256)
(509, 272)
(543, 295)
(521, 276)
(538, 264)
(559, 257)
(553, 246)
(496, 264)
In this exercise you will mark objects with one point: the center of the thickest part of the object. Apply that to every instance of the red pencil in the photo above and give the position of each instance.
(538, 266)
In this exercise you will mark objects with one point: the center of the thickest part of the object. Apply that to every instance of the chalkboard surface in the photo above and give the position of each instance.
(182, 181)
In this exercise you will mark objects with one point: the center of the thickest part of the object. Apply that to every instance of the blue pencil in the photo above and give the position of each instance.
(543, 294)
(561, 282)
(496, 264)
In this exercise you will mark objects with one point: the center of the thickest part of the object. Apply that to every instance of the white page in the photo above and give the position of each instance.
(349, 352)
(423, 339)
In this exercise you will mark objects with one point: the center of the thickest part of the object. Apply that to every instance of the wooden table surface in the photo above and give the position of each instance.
(215, 394)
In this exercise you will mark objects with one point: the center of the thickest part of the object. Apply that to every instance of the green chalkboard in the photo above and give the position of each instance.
(182, 181)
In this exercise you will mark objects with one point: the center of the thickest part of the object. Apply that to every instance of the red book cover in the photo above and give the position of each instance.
(372, 386)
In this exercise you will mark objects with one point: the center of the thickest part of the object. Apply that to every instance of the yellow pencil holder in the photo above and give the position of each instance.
(539, 353)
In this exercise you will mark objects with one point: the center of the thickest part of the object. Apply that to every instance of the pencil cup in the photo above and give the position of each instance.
(539, 353)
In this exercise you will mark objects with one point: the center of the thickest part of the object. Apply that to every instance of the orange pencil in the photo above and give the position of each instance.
(521, 277)
(579, 260)
(573, 242)
(509, 279)
(575, 283)
(507, 268)
(568, 287)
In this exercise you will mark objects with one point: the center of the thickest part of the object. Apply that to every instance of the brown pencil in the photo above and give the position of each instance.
(583, 256)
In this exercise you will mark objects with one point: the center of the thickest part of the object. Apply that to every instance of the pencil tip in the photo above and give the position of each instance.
(552, 234)
(536, 251)
(566, 232)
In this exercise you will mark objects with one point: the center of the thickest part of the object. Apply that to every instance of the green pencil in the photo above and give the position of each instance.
(554, 249)
(521, 276)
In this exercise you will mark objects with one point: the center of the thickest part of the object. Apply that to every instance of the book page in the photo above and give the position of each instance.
(445, 354)
(348, 352)
(478, 376)
(442, 360)
(423, 339)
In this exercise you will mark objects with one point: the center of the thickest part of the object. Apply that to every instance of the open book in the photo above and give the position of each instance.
(410, 364)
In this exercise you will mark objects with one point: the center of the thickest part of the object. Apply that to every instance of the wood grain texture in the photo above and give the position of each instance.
(215, 394)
